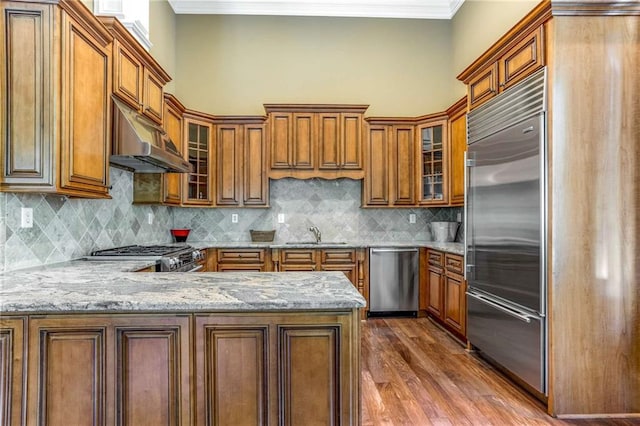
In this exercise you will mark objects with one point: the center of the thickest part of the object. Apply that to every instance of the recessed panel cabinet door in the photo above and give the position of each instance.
(281, 143)
(403, 189)
(85, 131)
(351, 141)
(376, 183)
(304, 137)
(12, 364)
(27, 115)
(229, 164)
(173, 126)
(329, 145)
(256, 184)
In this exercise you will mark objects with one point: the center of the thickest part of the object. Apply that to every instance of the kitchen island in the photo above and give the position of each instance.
(97, 344)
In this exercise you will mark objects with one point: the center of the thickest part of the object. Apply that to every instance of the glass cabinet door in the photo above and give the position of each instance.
(199, 156)
(433, 163)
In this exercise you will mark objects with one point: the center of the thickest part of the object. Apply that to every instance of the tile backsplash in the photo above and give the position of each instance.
(331, 205)
(67, 228)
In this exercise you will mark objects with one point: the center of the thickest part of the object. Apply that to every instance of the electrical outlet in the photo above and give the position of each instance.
(150, 218)
(234, 218)
(459, 217)
(412, 218)
(280, 217)
(26, 217)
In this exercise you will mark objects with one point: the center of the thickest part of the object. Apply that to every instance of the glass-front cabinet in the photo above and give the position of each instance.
(198, 186)
(433, 164)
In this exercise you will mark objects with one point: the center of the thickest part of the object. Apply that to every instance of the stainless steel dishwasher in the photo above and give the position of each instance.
(393, 281)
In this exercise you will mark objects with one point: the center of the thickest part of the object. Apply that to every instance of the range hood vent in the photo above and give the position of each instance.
(141, 146)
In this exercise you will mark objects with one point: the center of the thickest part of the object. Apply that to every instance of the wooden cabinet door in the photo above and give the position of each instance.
(457, 148)
(229, 156)
(256, 184)
(329, 141)
(521, 60)
(233, 366)
(350, 270)
(435, 280)
(304, 141)
(173, 124)
(281, 125)
(153, 99)
(351, 141)
(432, 165)
(85, 137)
(12, 370)
(128, 76)
(403, 158)
(198, 184)
(455, 302)
(483, 86)
(376, 182)
(109, 370)
(27, 118)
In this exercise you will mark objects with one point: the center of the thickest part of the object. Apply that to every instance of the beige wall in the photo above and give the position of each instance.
(234, 64)
(162, 32)
(477, 25)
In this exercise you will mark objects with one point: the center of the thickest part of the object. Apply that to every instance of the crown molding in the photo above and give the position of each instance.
(407, 9)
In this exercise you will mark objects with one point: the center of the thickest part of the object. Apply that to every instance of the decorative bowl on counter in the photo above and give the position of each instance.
(180, 235)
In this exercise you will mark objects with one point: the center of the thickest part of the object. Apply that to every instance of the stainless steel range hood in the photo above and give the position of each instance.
(142, 146)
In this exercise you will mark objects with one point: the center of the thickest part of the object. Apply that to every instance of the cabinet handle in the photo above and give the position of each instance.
(502, 84)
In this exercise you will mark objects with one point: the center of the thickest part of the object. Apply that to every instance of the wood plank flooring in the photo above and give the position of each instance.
(413, 373)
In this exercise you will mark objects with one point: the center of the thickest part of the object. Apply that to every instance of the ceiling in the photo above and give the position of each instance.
(414, 9)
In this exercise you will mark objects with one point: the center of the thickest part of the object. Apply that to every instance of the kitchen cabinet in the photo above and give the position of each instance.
(443, 290)
(243, 260)
(138, 79)
(126, 369)
(308, 141)
(283, 368)
(12, 370)
(391, 163)
(433, 168)
(241, 166)
(457, 134)
(56, 121)
(198, 185)
(163, 188)
(514, 62)
(310, 259)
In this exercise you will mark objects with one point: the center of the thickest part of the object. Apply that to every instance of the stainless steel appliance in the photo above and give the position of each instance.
(143, 146)
(170, 258)
(393, 281)
(505, 231)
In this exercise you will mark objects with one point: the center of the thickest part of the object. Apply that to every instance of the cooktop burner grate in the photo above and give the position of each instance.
(136, 250)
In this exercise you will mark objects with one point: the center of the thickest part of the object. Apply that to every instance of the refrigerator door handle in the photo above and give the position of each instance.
(522, 316)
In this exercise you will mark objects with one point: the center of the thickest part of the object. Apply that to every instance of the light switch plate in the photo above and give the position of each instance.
(280, 217)
(26, 217)
(412, 218)
(459, 217)
(234, 218)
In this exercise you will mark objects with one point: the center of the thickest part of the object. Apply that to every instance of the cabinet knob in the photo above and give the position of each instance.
(502, 84)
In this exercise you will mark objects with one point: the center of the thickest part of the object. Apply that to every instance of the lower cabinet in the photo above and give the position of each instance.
(12, 370)
(112, 369)
(443, 290)
(242, 260)
(277, 369)
(298, 367)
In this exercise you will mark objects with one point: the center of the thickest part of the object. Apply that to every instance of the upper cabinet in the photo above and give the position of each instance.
(55, 121)
(406, 162)
(137, 78)
(241, 165)
(198, 185)
(505, 67)
(309, 140)
(457, 134)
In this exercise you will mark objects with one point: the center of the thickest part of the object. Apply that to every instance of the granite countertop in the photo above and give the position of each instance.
(454, 248)
(96, 286)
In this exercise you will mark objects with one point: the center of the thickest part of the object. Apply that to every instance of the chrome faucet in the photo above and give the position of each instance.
(316, 233)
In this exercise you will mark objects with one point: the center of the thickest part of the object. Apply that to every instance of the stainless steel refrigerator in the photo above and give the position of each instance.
(505, 214)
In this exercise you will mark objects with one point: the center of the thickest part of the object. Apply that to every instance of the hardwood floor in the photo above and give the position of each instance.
(413, 373)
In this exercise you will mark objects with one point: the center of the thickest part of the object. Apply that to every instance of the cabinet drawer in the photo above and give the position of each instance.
(435, 257)
(298, 256)
(241, 256)
(454, 263)
(338, 256)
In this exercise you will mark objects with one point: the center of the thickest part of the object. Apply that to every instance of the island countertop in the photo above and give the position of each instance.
(89, 286)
